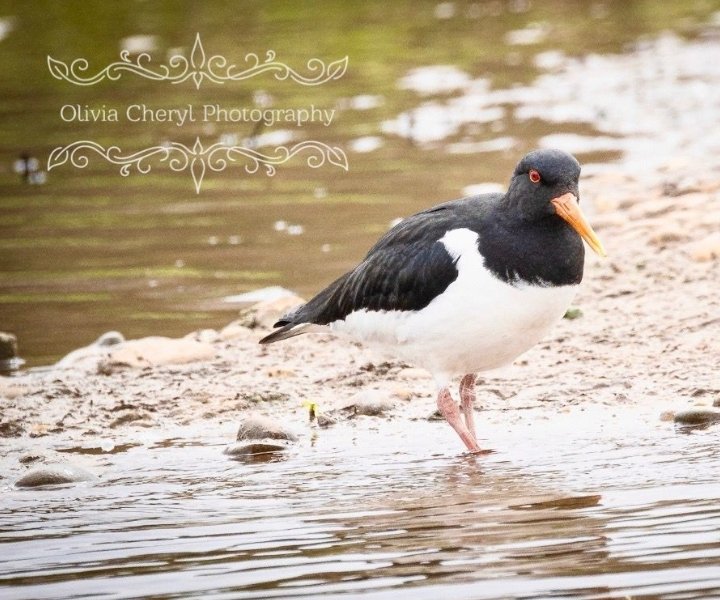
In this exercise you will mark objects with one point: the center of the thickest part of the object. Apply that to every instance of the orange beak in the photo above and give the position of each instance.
(567, 208)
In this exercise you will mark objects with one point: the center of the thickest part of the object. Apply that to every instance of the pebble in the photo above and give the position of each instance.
(260, 427)
(54, 474)
(370, 403)
(697, 417)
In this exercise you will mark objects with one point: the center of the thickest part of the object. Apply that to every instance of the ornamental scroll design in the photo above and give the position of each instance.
(199, 68)
(198, 159)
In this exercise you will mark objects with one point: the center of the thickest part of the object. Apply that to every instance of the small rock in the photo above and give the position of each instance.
(716, 402)
(253, 448)
(9, 359)
(370, 403)
(323, 420)
(705, 249)
(259, 427)
(8, 345)
(54, 474)
(697, 417)
(154, 351)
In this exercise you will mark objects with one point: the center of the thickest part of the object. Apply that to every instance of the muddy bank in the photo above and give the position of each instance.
(646, 337)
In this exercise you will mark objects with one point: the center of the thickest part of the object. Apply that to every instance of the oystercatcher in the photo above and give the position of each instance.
(468, 285)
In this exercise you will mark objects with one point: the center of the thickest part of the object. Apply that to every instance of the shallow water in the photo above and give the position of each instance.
(564, 508)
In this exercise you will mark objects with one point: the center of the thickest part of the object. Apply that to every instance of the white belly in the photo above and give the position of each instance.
(478, 323)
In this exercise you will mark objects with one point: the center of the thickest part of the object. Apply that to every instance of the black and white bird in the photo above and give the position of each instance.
(465, 286)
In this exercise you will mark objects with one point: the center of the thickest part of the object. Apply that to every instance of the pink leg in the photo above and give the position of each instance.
(467, 401)
(449, 409)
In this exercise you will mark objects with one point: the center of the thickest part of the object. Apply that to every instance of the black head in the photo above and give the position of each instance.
(540, 177)
(544, 192)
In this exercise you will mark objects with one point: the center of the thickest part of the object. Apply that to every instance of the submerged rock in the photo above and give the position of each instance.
(54, 474)
(259, 427)
(253, 448)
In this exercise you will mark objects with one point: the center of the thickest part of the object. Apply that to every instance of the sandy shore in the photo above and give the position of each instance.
(648, 338)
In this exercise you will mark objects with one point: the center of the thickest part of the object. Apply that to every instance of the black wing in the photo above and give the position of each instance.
(405, 270)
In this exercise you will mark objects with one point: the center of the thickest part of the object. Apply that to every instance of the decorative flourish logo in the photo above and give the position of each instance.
(198, 159)
(198, 68)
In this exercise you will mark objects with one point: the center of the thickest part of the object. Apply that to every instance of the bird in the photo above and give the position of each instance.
(466, 286)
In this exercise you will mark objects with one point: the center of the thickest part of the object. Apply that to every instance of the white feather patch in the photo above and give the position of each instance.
(478, 323)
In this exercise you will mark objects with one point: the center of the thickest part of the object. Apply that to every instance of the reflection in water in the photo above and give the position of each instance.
(551, 514)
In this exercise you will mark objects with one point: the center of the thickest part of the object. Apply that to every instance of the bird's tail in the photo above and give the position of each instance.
(287, 331)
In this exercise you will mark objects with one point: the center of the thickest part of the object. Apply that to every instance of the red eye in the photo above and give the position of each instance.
(534, 176)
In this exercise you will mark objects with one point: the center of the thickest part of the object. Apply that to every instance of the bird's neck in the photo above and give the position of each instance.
(547, 252)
